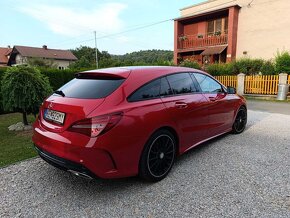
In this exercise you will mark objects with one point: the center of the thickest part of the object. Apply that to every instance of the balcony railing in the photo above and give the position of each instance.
(194, 41)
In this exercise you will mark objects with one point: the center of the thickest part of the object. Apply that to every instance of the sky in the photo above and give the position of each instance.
(68, 24)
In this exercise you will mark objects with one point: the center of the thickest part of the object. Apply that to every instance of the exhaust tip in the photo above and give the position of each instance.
(79, 174)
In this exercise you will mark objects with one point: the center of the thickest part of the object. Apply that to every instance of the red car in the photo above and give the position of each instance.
(128, 121)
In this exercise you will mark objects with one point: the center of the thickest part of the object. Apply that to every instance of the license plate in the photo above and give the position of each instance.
(54, 116)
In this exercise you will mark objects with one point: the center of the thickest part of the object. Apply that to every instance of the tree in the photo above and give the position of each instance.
(23, 89)
(81, 63)
(39, 62)
(282, 61)
(86, 53)
(87, 58)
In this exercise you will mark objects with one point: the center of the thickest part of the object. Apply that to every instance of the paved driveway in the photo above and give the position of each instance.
(244, 175)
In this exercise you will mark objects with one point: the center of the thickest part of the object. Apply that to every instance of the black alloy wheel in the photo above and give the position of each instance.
(158, 156)
(240, 121)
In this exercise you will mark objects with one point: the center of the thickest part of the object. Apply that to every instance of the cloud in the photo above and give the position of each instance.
(73, 22)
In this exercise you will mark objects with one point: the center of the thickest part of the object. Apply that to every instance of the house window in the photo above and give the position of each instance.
(218, 25)
(210, 26)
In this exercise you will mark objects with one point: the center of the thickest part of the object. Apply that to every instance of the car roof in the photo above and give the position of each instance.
(124, 72)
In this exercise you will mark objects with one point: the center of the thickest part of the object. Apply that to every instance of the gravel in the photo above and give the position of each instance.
(244, 175)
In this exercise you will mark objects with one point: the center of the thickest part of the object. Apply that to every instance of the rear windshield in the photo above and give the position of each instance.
(90, 88)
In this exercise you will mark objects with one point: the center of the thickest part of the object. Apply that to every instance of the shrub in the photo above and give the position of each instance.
(2, 71)
(268, 68)
(248, 66)
(57, 77)
(23, 90)
(282, 62)
(217, 69)
(190, 64)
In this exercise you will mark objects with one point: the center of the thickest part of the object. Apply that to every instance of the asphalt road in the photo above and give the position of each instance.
(245, 175)
(269, 106)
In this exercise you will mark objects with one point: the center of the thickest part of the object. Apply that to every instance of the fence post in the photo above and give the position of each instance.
(241, 84)
(283, 78)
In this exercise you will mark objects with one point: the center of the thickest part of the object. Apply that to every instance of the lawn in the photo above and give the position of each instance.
(14, 146)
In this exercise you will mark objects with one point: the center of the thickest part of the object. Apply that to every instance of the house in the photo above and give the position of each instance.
(60, 58)
(223, 30)
(4, 56)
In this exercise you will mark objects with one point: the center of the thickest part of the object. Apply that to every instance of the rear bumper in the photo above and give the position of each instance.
(64, 164)
(101, 157)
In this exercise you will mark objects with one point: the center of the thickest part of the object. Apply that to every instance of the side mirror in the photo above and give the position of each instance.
(231, 90)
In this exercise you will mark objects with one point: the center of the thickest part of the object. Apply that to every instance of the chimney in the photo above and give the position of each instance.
(44, 47)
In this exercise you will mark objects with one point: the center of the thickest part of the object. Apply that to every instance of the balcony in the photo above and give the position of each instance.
(188, 42)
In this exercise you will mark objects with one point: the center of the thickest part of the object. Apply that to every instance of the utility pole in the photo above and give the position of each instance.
(96, 47)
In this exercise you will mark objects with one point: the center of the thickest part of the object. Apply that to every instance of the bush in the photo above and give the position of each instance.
(190, 64)
(217, 69)
(282, 62)
(57, 78)
(268, 68)
(2, 71)
(247, 66)
(23, 89)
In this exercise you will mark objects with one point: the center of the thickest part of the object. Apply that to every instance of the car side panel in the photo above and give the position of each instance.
(191, 121)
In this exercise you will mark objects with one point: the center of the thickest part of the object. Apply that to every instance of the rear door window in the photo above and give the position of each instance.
(90, 88)
(181, 83)
(165, 89)
(149, 91)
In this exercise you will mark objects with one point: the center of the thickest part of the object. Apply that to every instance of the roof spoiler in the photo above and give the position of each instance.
(98, 75)
(110, 73)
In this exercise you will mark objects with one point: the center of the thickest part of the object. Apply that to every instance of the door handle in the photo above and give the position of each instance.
(181, 105)
(212, 98)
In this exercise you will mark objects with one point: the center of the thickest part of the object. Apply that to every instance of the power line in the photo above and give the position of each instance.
(122, 32)
(134, 29)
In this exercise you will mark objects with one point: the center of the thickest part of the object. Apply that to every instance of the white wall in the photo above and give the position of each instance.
(263, 29)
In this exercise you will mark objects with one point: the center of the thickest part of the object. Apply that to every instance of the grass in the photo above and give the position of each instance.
(14, 146)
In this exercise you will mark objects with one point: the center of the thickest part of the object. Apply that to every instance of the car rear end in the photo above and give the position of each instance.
(66, 132)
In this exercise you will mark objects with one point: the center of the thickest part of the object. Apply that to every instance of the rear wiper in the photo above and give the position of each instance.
(59, 92)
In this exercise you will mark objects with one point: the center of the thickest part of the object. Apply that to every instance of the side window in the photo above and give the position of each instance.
(181, 83)
(165, 88)
(148, 91)
(207, 84)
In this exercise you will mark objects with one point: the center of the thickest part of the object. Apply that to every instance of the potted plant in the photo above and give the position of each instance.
(217, 33)
(200, 36)
(182, 38)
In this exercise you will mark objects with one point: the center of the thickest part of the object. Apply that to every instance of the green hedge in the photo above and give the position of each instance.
(2, 71)
(220, 69)
(57, 78)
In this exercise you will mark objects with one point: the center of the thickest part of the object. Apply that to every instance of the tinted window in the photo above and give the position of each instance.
(207, 84)
(148, 91)
(165, 88)
(90, 88)
(181, 83)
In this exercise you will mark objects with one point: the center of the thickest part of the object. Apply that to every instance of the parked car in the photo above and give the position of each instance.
(128, 121)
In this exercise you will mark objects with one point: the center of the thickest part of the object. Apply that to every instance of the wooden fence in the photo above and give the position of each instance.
(228, 80)
(266, 84)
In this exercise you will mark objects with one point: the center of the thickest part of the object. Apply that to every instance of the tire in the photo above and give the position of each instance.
(240, 122)
(158, 156)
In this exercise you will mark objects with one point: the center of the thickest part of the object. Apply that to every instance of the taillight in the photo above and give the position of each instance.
(96, 125)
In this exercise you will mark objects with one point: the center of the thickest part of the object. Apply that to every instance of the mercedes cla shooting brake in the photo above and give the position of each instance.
(128, 121)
